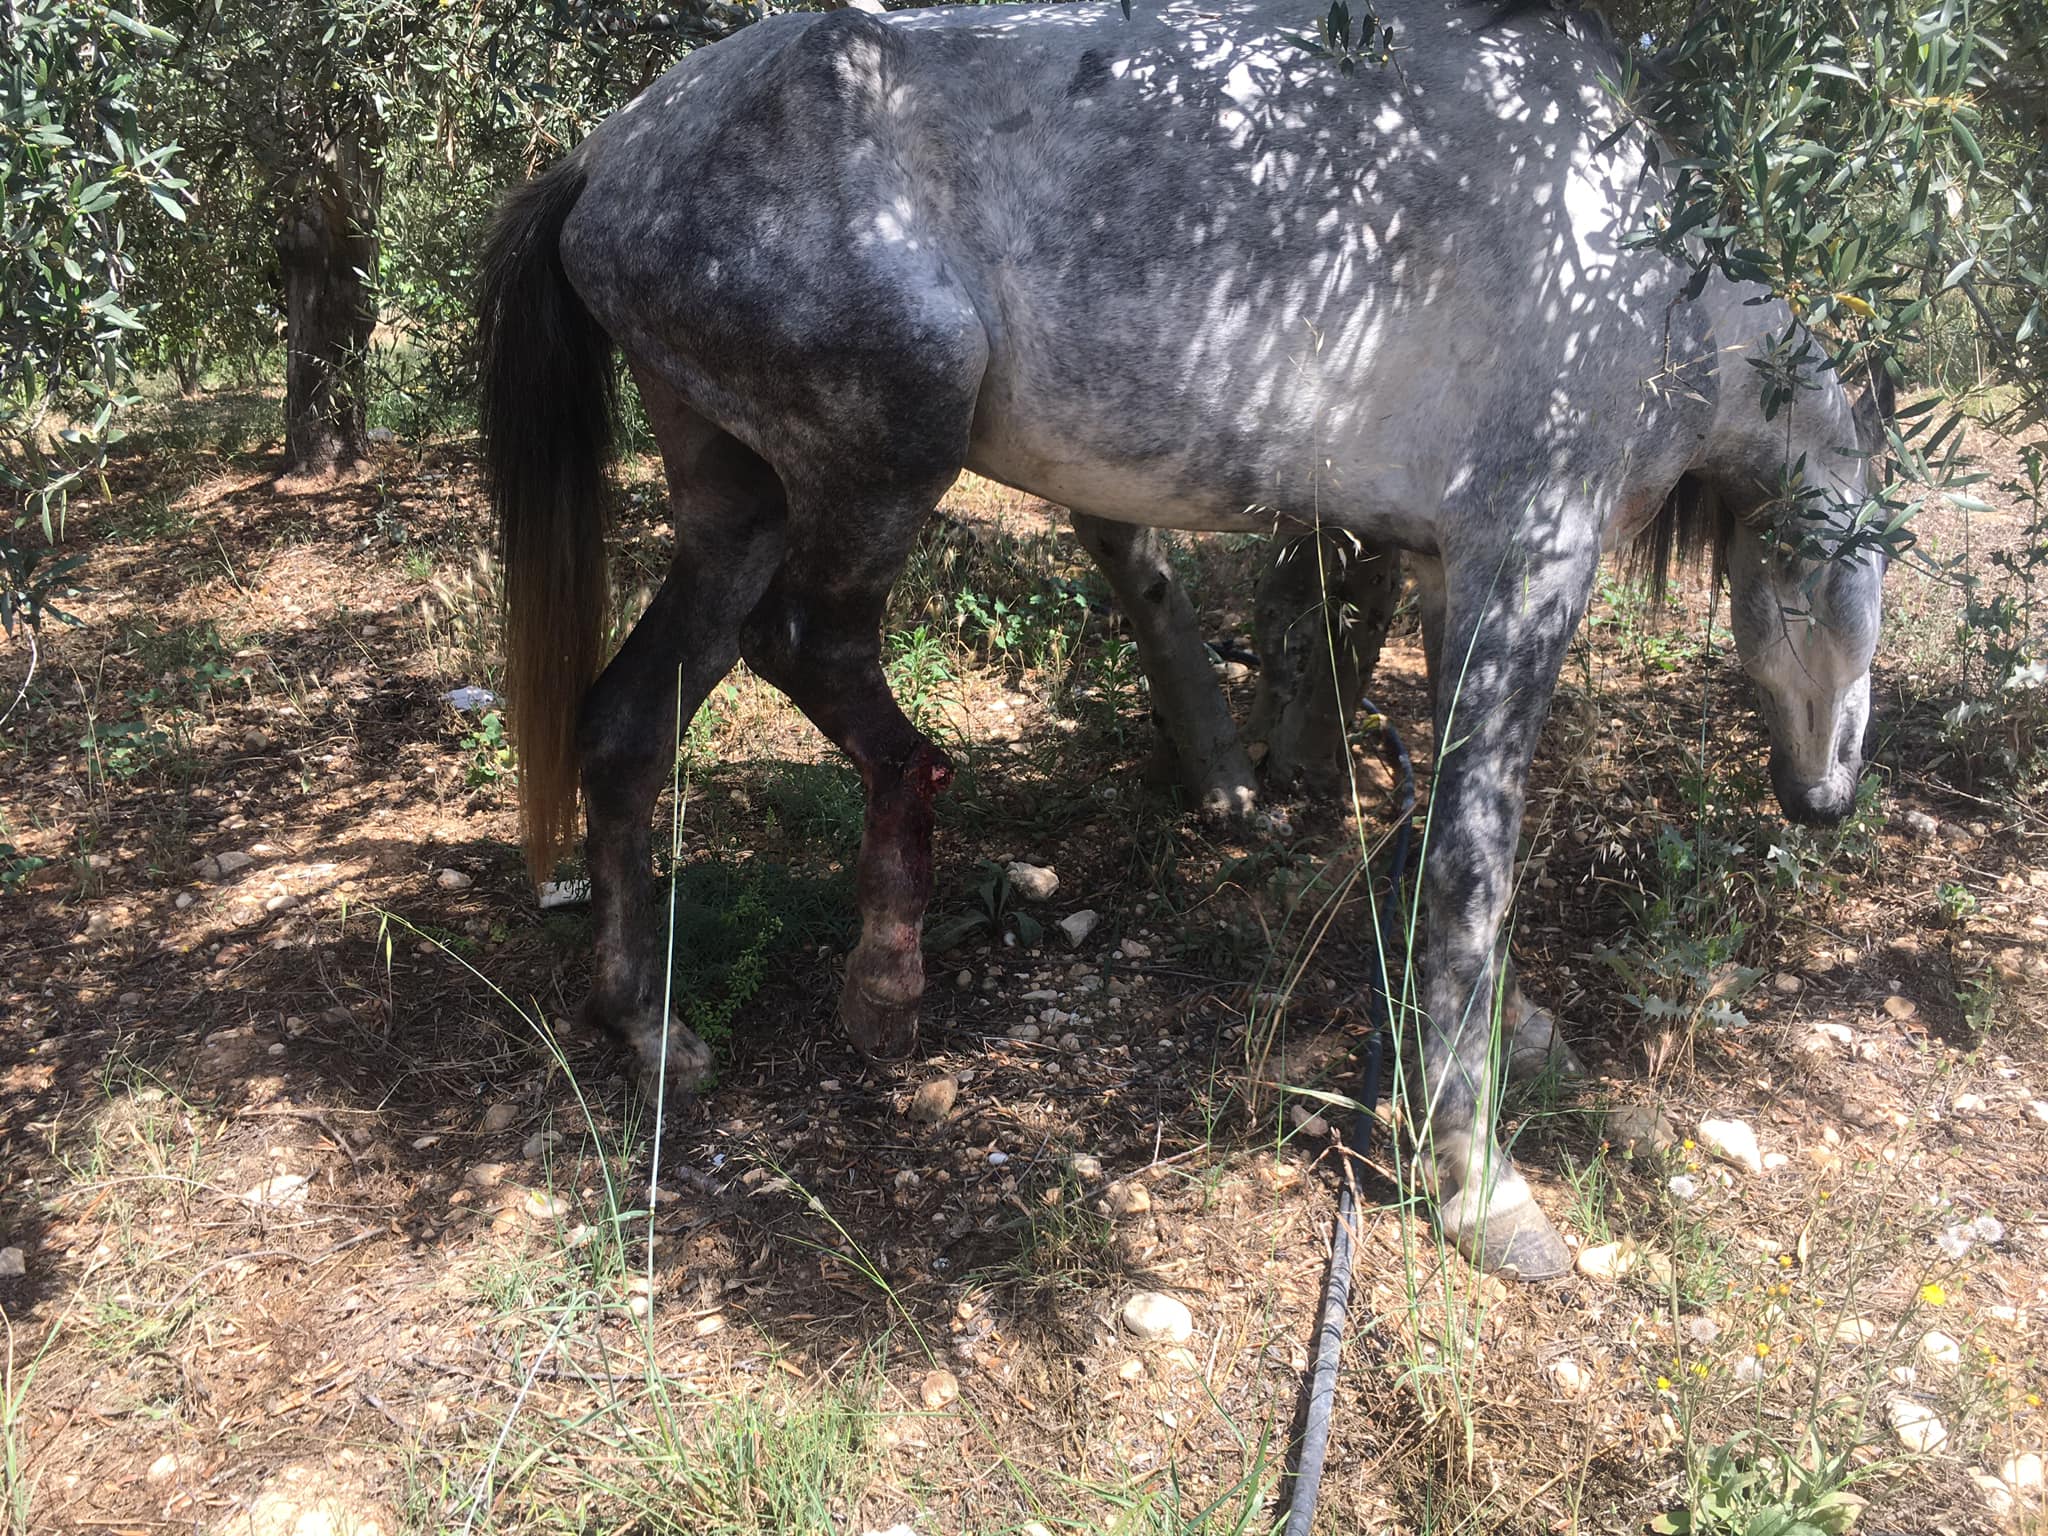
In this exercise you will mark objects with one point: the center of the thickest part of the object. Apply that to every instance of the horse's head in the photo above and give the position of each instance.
(1806, 629)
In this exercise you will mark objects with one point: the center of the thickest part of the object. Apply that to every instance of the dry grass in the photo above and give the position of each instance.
(439, 1326)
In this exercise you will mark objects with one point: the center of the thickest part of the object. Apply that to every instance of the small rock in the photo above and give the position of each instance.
(285, 1189)
(255, 739)
(165, 1466)
(543, 1206)
(1034, 1528)
(938, 1389)
(1613, 1261)
(1997, 1496)
(453, 880)
(1733, 1142)
(1078, 926)
(1855, 1330)
(1127, 1197)
(1150, 1315)
(1086, 1169)
(230, 862)
(13, 1262)
(1130, 1370)
(1570, 1376)
(1914, 1425)
(1028, 1033)
(1939, 1348)
(1920, 824)
(997, 1159)
(1785, 984)
(540, 1143)
(639, 1304)
(1307, 1121)
(2023, 1473)
(1034, 882)
(183, 900)
(1968, 1103)
(1184, 1358)
(1070, 1042)
(1900, 1008)
(501, 1116)
(933, 1100)
(283, 901)
(1640, 1129)
(1133, 950)
(2038, 1108)
(964, 980)
(486, 1175)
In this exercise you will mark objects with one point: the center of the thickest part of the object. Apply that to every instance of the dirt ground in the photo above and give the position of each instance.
(323, 1215)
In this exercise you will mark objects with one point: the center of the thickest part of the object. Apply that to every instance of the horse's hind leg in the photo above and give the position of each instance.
(816, 635)
(1187, 705)
(727, 509)
(1502, 629)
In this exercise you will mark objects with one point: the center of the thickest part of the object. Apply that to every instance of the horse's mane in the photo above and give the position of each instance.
(1694, 523)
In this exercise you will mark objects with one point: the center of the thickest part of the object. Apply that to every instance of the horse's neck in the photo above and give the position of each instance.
(1746, 447)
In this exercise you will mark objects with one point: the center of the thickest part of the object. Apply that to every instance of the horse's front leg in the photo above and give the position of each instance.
(1504, 625)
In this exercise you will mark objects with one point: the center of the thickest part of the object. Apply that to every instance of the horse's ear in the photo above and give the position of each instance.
(1876, 407)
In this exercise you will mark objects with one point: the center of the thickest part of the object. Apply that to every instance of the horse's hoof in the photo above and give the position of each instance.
(1518, 1243)
(682, 1058)
(1537, 1049)
(1228, 804)
(881, 1029)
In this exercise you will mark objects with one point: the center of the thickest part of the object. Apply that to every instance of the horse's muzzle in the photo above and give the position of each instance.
(1821, 803)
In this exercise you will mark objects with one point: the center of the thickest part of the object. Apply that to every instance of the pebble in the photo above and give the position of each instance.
(283, 901)
(1785, 984)
(1070, 1042)
(285, 1189)
(1940, 1348)
(1855, 1330)
(1997, 1496)
(933, 1100)
(1914, 1425)
(1612, 1261)
(165, 1466)
(1641, 1129)
(540, 1143)
(256, 739)
(1130, 1370)
(453, 880)
(543, 1206)
(1133, 950)
(964, 980)
(1570, 1376)
(1150, 1315)
(1077, 926)
(486, 1175)
(230, 862)
(1127, 1197)
(501, 1116)
(1028, 1033)
(1034, 1528)
(938, 1389)
(1900, 1008)
(1307, 1121)
(13, 1262)
(1034, 882)
(1921, 825)
(1733, 1142)
(2023, 1473)
(1968, 1103)
(183, 900)
(1088, 1170)
(2038, 1108)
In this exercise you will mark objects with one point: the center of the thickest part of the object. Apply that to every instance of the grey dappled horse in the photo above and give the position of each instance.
(1173, 271)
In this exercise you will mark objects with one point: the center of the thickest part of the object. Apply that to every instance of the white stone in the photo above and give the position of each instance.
(165, 1466)
(1732, 1141)
(1133, 950)
(933, 1100)
(1855, 1330)
(1034, 882)
(453, 880)
(1150, 1315)
(228, 863)
(1914, 1425)
(938, 1389)
(1570, 1376)
(2023, 1473)
(1085, 1168)
(1997, 1496)
(1939, 1348)
(285, 1189)
(1077, 926)
(540, 1143)
(13, 1262)
(183, 900)
(1028, 1033)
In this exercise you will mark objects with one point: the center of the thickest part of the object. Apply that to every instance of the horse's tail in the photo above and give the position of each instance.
(548, 396)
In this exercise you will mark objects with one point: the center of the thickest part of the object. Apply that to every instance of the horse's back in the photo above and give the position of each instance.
(1193, 266)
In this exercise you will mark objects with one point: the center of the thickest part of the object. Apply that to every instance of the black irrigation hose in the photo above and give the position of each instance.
(1322, 1392)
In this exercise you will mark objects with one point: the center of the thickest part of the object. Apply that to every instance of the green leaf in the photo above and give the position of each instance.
(1968, 140)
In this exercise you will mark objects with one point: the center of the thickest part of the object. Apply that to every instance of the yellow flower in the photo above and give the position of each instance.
(2033, 1399)
(1933, 1294)
(1762, 1349)
(1663, 1383)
